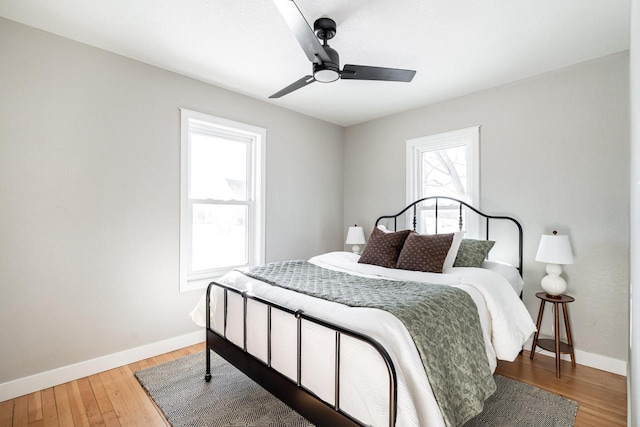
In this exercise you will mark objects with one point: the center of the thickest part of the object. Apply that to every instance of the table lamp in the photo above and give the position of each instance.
(355, 237)
(555, 250)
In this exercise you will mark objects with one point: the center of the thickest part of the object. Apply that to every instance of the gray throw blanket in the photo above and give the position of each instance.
(443, 322)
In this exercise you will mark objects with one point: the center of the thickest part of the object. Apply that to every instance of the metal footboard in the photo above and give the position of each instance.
(293, 393)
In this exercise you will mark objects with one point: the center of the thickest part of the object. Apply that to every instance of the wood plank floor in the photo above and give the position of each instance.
(602, 396)
(114, 398)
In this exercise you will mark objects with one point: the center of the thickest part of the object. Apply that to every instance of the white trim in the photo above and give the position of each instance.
(42, 380)
(597, 361)
(198, 285)
(470, 137)
(256, 137)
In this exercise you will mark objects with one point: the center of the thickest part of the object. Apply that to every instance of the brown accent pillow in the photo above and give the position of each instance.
(425, 252)
(383, 248)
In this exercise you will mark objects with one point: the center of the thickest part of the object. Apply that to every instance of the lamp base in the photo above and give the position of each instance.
(554, 296)
(553, 283)
(356, 249)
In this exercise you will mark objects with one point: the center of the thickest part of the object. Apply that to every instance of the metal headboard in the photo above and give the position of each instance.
(460, 221)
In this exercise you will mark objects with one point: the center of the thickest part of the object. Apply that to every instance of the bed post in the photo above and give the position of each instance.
(207, 375)
(415, 220)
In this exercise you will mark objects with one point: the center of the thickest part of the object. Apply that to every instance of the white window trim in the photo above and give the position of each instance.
(468, 136)
(256, 203)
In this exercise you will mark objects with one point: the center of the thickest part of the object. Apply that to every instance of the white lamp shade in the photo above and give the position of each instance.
(355, 236)
(555, 249)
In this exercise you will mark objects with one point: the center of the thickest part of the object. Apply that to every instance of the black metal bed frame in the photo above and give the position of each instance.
(294, 393)
(460, 203)
(291, 393)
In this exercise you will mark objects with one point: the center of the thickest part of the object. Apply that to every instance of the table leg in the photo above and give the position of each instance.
(567, 328)
(556, 319)
(535, 336)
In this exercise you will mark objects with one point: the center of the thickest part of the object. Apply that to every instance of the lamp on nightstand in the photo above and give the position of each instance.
(355, 237)
(555, 250)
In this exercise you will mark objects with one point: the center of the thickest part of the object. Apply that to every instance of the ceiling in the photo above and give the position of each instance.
(456, 46)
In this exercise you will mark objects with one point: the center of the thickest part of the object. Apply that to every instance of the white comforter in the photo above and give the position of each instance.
(506, 325)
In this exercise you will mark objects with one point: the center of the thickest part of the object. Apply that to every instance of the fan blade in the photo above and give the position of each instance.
(302, 31)
(294, 86)
(364, 72)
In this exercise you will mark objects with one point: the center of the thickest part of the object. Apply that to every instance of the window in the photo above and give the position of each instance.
(222, 190)
(445, 164)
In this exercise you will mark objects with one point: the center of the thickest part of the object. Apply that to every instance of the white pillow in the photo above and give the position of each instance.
(453, 250)
(381, 227)
(507, 271)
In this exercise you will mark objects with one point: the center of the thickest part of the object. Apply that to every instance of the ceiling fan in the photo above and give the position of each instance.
(325, 60)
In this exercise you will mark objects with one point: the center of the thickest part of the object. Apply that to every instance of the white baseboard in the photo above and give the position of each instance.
(604, 363)
(30, 384)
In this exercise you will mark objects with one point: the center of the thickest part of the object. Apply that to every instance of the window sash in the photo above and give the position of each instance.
(468, 137)
(249, 228)
(249, 167)
(199, 123)
(423, 171)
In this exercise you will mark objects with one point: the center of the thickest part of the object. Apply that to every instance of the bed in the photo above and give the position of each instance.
(317, 333)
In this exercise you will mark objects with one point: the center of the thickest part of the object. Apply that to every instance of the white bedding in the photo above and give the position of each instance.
(505, 322)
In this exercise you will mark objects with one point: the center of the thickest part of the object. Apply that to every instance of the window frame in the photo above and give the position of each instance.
(255, 137)
(469, 137)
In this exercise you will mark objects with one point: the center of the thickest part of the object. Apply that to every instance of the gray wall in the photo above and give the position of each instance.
(554, 153)
(634, 258)
(89, 200)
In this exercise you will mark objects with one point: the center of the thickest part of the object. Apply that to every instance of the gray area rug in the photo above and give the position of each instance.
(519, 404)
(232, 399)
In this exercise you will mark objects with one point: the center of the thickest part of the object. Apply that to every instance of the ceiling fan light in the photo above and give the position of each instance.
(326, 75)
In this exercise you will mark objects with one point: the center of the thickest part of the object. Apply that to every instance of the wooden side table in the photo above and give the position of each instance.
(555, 345)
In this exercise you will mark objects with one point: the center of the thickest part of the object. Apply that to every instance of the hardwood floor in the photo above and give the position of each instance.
(602, 396)
(114, 398)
